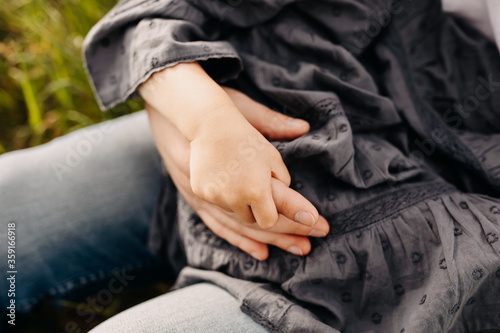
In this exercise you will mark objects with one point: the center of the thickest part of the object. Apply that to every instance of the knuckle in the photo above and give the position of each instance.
(196, 190)
(280, 241)
(254, 192)
(283, 205)
(207, 191)
(278, 120)
(268, 115)
(231, 199)
(195, 185)
(268, 224)
(275, 154)
(279, 157)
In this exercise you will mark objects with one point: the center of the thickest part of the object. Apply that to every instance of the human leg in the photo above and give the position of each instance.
(81, 205)
(202, 308)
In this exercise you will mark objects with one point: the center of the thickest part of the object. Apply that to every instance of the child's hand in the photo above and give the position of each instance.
(232, 165)
(250, 238)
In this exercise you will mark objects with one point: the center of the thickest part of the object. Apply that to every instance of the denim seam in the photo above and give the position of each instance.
(262, 319)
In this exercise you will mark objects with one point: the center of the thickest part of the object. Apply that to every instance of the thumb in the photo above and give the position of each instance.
(277, 126)
(271, 124)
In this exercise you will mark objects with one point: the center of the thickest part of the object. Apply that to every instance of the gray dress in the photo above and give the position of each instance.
(403, 156)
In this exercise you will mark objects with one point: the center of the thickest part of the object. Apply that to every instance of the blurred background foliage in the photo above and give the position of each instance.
(44, 91)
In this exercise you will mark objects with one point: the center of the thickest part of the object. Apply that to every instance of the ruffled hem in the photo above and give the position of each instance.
(431, 265)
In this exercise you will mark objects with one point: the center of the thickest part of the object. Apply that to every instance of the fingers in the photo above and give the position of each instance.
(271, 124)
(224, 225)
(245, 214)
(264, 210)
(287, 226)
(256, 249)
(293, 205)
(252, 238)
(280, 171)
(275, 125)
(248, 238)
(298, 245)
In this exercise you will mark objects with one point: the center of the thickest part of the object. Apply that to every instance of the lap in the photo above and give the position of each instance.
(202, 307)
(82, 206)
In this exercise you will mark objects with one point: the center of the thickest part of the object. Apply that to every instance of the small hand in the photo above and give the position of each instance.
(231, 163)
(232, 166)
(286, 234)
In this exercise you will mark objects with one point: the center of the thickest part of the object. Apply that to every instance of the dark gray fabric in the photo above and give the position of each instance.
(403, 157)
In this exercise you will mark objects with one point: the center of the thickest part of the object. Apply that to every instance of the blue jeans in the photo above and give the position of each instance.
(81, 206)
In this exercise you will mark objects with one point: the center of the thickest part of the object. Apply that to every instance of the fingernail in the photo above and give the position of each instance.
(317, 233)
(294, 122)
(305, 218)
(255, 255)
(295, 250)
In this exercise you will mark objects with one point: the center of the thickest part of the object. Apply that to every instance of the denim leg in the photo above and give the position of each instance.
(81, 205)
(200, 308)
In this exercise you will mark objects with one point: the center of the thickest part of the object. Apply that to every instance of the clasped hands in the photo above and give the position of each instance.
(212, 140)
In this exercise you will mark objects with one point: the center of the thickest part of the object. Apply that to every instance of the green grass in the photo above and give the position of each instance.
(44, 91)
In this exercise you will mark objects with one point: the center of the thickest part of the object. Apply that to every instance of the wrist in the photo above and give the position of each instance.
(188, 97)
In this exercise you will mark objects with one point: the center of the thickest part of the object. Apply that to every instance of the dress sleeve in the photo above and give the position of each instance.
(140, 37)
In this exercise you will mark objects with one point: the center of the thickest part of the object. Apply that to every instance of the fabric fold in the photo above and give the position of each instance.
(138, 38)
